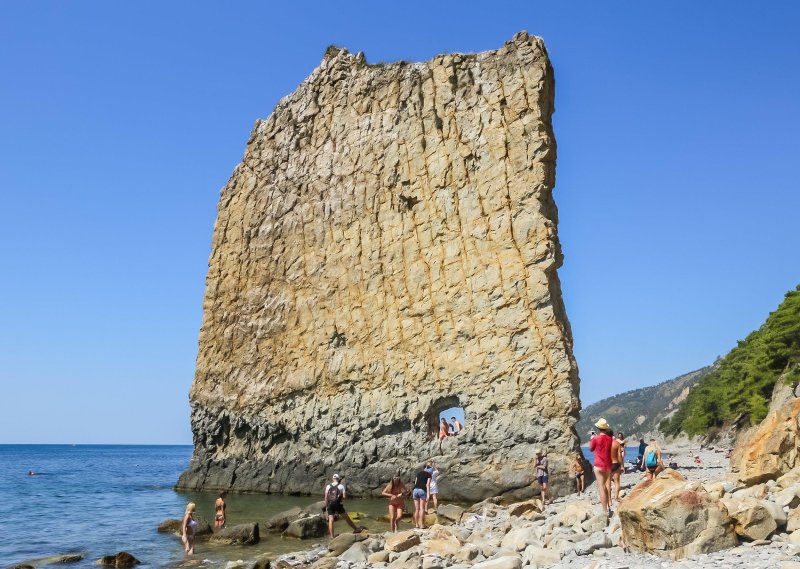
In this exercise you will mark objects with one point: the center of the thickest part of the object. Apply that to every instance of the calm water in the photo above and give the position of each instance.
(99, 500)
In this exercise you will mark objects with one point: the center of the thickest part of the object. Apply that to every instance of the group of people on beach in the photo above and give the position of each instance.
(425, 490)
(609, 460)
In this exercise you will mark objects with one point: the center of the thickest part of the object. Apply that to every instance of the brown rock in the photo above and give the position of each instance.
(520, 508)
(752, 520)
(388, 249)
(402, 541)
(770, 449)
(121, 560)
(241, 534)
(170, 526)
(673, 518)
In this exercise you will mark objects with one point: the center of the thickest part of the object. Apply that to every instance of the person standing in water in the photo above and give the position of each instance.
(188, 527)
(421, 494)
(396, 492)
(334, 505)
(600, 445)
(219, 511)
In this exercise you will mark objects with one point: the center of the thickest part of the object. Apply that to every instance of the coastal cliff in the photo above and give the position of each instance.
(386, 250)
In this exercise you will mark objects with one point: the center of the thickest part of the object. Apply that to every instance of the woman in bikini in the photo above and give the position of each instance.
(219, 511)
(188, 528)
(395, 491)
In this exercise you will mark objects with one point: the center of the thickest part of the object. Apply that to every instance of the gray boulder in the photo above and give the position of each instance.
(304, 528)
(281, 520)
(357, 553)
(242, 534)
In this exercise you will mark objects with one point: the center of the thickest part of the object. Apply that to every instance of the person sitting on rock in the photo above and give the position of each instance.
(455, 425)
(334, 505)
(653, 460)
(444, 429)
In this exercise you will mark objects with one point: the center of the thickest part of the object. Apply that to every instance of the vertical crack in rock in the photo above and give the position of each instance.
(388, 248)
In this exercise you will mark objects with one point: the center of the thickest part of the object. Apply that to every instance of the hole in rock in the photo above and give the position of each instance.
(448, 408)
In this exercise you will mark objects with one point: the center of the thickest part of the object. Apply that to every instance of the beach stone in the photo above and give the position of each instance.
(378, 557)
(519, 538)
(789, 565)
(522, 508)
(450, 512)
(597, 522)
(442, 543)
(673, 518)
(356, 553)
(753, 521)
(576, 513)
(793, 520)
(432, 562)
(121, 560)
(263, 561)
(281, 520)
(343, 542)
(241, 534)
(770, 449)
(794, 537)
(536, 556)
(776, 511)
(594, 542)
(759, 491)
(402, 541)
(788, 497)
(62, 559)
(389, 225)
(504, 562)
(21, 566)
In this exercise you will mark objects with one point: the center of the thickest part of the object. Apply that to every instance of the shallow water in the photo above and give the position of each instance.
(99, 499)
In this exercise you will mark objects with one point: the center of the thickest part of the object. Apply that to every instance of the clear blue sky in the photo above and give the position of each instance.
(677, 127)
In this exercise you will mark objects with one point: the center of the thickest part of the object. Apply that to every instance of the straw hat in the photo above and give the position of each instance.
(602, 424)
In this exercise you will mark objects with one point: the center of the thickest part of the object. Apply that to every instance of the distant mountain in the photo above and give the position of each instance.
(737, 394)
(640, 411)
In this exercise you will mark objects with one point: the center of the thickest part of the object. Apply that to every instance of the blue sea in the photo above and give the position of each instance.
(99, 500)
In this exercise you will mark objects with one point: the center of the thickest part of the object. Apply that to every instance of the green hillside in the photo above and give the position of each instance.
(739, 390)
(639, 411)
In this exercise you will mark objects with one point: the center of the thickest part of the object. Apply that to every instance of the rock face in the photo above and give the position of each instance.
(673, 518)
(769, 450)
(386, 250)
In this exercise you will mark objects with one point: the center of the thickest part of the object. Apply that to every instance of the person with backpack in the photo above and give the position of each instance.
(600, 445)
(652, 460)
(334, 504)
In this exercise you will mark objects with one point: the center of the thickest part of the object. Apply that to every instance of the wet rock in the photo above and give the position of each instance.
(121, 560)
(281, 520)
(307, 527)
(242, 534)
(170, 526)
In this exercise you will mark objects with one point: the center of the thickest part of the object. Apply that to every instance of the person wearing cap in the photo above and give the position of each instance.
(600, 445)
(396, 492)
(541, 473)
(334, 504)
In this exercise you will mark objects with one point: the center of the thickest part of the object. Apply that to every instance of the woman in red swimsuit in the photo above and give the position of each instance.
(600, 445)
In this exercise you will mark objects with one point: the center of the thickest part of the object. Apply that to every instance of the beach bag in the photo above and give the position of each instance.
(333, 495)
(651, 460)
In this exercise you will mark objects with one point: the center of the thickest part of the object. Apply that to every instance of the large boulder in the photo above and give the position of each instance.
(172, 525)
(309, 526)
(450, 513)
(343, 542)
(752, 520)
(673, 518)
(770, 449)
(281, 520)
(242, 534)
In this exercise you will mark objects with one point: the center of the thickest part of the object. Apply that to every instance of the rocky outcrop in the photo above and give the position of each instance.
(673, 518)
(769, 450)
(242, 534)
(386, 250)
